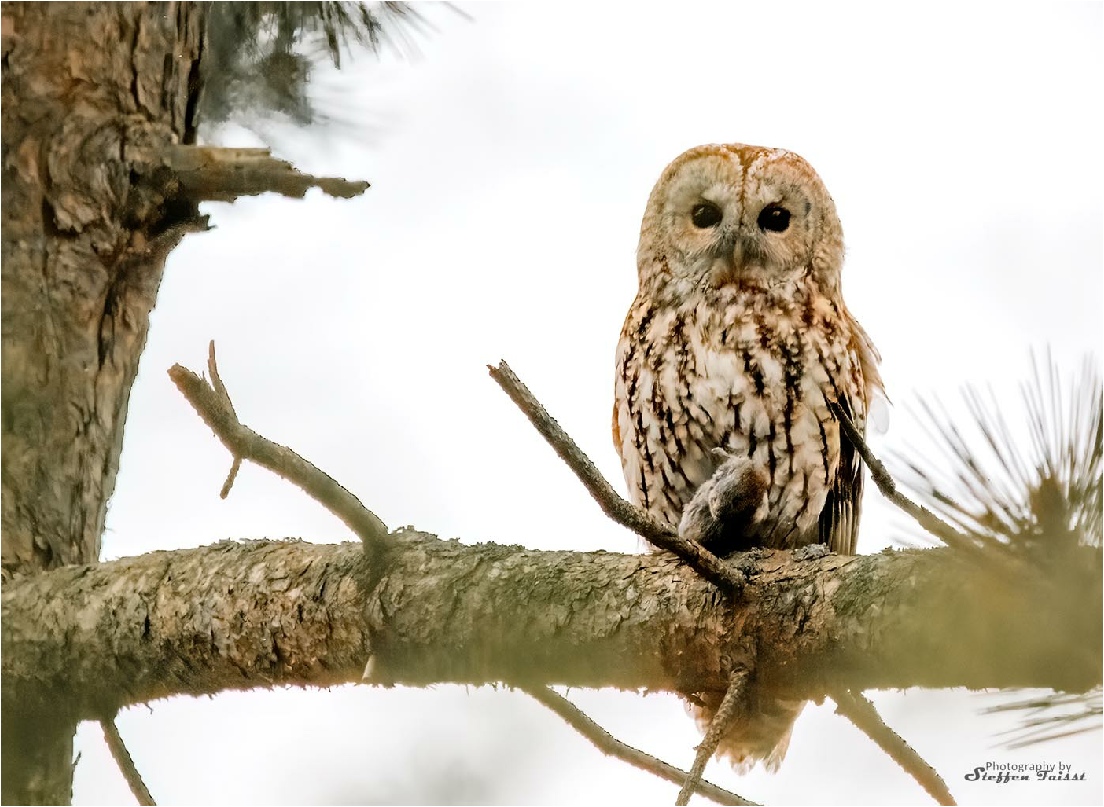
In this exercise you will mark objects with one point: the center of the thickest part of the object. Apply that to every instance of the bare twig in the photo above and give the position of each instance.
(704, 562)
(611, 746)
(862, 713)
(216, 379)
(235, 466)
(126, 763)
(730, 707)
(213, 405)
(224, 397)
(885, 482)
(888, 487)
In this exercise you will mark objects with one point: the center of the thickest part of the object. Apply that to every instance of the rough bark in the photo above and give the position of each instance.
(247, 615)
(101, 180)
(98, 104)
(83, 251)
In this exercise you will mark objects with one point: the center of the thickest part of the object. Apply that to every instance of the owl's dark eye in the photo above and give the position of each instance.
(774, 218)
(706, 215)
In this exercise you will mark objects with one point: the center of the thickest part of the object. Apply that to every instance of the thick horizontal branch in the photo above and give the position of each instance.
(244, 615)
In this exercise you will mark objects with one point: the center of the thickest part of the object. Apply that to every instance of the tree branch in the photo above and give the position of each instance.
(887, 486)
(866, 719)
(126, 765)
(254, 614)
(258, 614)
(733, 702)
(708, 565)
(611, 746)
(213, 404)
(210, 173)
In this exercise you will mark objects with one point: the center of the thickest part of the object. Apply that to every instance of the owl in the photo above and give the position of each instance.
(737, 339)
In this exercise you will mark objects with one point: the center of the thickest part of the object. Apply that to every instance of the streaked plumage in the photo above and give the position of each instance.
(736, 335)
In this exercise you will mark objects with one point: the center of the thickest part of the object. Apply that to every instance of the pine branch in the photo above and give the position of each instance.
(213, 405)
(611, 746)
(708, 565)
(126, 764)
(260, 614)
(732, 704)
(865, 717)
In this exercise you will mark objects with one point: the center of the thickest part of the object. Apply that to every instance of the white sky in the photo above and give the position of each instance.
(510, 163)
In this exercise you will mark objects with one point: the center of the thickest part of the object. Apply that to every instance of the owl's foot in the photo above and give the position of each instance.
(727, 506)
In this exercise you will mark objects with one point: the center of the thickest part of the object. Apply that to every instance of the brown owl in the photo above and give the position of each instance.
(736, 336)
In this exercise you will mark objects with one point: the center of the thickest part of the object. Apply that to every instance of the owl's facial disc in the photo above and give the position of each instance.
(735, 214)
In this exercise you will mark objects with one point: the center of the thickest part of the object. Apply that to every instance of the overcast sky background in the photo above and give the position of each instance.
(510, 162)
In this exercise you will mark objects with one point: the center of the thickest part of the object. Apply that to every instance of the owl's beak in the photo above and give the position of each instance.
(738, 254)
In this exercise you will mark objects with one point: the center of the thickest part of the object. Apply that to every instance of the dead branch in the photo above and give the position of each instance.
(886, 484)
(236, 616)
(989, 557)
(126, 765)
(211, 173)
(732, 704)
(212, 403)
(708, 565)
(865, 717)
(611, 746)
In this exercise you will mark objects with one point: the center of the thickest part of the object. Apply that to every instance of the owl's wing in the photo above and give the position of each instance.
(839, 520)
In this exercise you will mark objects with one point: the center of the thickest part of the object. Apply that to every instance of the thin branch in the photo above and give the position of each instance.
(888, 487)
(213, 405)
(866, 719)
(704, 562)
(224, 397)
(216, 380)
(730, 707)
(126, 763)
(235, 466)
(611, 746)
(885, 482)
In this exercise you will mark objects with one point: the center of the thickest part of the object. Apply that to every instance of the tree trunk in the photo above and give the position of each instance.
(83, 251)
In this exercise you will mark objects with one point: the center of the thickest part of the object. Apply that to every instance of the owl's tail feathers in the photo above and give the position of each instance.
(760, 735)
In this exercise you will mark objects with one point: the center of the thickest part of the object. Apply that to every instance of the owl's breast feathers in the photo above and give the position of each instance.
(746, 370)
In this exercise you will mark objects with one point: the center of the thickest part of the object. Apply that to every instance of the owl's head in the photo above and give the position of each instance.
(736, 214)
